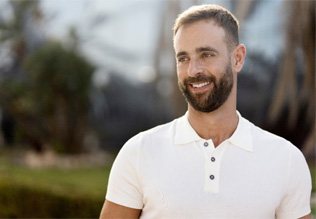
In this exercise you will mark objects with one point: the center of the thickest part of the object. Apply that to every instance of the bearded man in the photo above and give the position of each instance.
(211, 162)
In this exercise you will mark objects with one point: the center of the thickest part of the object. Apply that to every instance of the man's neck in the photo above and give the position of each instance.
(217, 125)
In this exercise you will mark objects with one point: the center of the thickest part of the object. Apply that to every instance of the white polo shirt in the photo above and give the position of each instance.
(170, 172)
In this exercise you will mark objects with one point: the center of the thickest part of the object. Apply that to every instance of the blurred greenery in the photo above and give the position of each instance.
(45, 91)
(75, 192)
(61, 80)
(50, 107)
(18, 201)
(88, 181)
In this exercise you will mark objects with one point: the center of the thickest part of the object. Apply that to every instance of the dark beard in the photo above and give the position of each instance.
(216, 97)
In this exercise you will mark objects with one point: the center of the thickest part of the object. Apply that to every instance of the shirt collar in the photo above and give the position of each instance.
(241, 137)
(184, 132)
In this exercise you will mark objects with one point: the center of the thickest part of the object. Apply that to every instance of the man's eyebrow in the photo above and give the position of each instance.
(181, 54)
(198, 50)
(206, 49)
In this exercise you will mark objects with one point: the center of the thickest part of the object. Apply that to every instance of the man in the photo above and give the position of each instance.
(210, 163)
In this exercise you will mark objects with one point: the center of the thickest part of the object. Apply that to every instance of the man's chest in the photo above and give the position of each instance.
(183, 187)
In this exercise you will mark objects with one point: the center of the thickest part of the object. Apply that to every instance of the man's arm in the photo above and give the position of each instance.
(111, 210)
(306, 217)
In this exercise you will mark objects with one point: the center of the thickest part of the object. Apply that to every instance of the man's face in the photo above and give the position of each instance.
(204, 69)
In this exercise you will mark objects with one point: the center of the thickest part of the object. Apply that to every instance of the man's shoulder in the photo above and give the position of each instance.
(264, 134)
(268, 139)
(159, 132)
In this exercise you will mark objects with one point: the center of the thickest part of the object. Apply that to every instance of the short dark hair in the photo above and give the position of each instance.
(220, 15)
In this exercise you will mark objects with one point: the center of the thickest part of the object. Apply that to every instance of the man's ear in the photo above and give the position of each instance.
(239, 56)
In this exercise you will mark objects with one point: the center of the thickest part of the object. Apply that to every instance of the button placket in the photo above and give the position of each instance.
(212, 176)
(212, 167)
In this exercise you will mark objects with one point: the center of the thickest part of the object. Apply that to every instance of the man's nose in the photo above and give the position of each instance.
(194, 68)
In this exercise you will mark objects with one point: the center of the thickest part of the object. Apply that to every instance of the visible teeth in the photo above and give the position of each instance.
(200, 84)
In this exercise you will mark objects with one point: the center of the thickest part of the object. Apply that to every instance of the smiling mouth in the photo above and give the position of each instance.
(200, 84)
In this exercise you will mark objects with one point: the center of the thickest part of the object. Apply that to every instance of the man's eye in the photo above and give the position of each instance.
(208, 55)
(182, 59)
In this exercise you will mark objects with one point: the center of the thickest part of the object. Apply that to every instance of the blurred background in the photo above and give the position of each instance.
(78, 78)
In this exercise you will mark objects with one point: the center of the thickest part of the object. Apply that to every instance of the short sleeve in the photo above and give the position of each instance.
(296, 202)
(123, 185)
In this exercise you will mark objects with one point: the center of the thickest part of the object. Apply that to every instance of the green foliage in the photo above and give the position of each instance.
(85, 182)
(61, 81)
(18, 201)
(50, 105)
(56, 71)
(51, 192)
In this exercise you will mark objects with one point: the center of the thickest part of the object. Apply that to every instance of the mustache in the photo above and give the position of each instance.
(200, 78)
